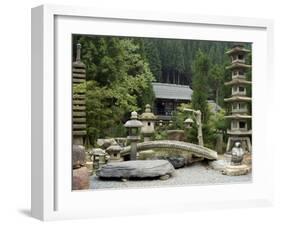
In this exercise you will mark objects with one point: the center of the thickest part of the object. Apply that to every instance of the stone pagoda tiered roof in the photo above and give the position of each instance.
(238, 98)
(79, 98)
(237, 48)
(238, 81)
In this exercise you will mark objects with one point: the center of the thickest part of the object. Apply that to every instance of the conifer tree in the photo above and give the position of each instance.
(200, 68)
(153, 57)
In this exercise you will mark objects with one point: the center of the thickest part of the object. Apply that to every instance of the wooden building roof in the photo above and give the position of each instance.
(172, 91)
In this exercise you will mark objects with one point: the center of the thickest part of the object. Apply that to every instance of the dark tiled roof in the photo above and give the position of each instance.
(172, 91)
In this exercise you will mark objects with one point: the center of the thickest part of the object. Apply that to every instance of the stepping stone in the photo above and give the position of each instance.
(219, 165)
(136, 169)
(236, 170)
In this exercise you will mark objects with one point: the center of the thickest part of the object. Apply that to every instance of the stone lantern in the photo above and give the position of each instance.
(148, 120)
(133, 127)
(197, 115)
(114, 153)
(99, 158)
(188, 123)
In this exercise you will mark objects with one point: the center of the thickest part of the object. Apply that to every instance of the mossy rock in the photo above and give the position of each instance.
(146, 155)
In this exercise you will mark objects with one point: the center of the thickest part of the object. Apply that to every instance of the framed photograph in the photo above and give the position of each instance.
(136, 112)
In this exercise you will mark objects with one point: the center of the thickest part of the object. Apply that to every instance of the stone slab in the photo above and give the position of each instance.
(136, 169)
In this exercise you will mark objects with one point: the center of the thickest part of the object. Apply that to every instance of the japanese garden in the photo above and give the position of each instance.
(150, 112)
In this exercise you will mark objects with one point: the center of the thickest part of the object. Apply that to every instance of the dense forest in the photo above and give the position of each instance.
(120, 71)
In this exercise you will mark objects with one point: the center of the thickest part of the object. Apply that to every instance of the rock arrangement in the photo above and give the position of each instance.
(80, 174)
(137, 169)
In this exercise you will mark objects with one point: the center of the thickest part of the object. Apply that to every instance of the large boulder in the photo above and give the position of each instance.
(105, 143)
(78, 156)
(80, 179)
(136, 169)
(176, 161)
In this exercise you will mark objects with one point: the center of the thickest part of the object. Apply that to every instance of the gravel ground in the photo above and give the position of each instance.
(196, 174)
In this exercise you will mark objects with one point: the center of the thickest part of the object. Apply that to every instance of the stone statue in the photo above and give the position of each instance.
(236, 167)
(237, 154)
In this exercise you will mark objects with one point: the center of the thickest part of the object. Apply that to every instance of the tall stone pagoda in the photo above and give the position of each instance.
(79, 105)
(239, 103)
(80, 172)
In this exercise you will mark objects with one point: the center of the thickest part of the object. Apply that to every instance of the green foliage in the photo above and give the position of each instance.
(216, 124)
(118, 82)
(178, 118)
(104, 58)
(216, 81)
(217, 121)
(200, 67)
(153, 56)
(120, 72)
(160, 134)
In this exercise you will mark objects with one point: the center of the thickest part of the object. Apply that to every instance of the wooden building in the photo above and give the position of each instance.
(168, 97)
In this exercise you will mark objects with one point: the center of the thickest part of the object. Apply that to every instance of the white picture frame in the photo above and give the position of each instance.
(52, 197)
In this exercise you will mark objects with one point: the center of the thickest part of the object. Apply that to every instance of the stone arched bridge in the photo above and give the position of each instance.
(195, 149)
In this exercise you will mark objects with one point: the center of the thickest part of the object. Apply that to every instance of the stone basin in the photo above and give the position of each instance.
(136, 169)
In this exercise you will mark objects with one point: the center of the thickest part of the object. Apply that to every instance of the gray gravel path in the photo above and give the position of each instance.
(196, 174)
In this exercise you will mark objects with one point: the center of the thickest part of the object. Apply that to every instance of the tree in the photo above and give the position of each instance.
(138, 67)
(200, 68)
(216, 80)
(153, 57)
(118, 82)
(104, 58)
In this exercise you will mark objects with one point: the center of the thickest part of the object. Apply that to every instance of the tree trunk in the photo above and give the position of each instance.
(217, 98)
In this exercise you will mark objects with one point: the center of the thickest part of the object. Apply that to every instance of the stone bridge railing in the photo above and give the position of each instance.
(195, 149)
